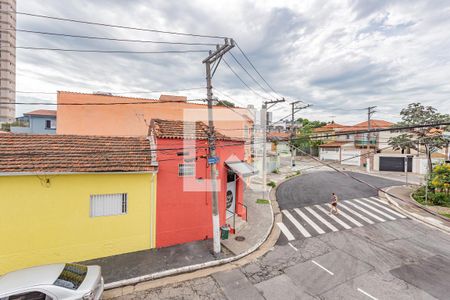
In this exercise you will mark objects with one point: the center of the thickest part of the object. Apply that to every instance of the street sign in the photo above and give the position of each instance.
(213, 160)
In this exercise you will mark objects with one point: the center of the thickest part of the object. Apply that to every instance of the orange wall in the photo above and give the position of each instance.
(185, 216)
(133, 119)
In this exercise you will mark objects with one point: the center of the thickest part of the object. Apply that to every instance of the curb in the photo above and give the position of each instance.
(417, 217)
(191, 268)
(410, 182)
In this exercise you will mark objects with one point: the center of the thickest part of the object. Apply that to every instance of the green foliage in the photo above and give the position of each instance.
(225, 103)
(262, 201)
(445, 215)
(402, 142)
(272, 184)
(6, 127)
(276, 171)
(434, 198)
(416, 114)
(303, 138)
(440, 178)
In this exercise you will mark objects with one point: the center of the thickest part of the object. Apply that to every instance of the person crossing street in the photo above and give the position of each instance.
(334, 203)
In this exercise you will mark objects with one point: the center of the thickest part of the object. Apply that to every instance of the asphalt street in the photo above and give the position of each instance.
(396, 258)
(316, 188)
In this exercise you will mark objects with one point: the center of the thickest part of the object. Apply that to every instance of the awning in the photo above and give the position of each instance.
(241, 168)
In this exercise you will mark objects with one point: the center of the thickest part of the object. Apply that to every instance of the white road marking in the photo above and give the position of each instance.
(367, 212)
(341, 213)
(318, 217)
(357, 214)
(376, 202)
(343, 224)
(286, 231)
(322, 267)
(367, 294)
(308, 220)
(293, 247)
(296, 223)
(374, 209)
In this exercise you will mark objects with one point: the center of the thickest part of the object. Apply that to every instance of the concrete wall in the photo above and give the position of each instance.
(49, 222)
(330, 154)
(351, 157)
(184, 203)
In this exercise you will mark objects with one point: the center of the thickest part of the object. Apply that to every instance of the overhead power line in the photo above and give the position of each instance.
(250, 75)
(110, 39)
(114, 25)
(243, 82)
(110, 51)
(374, 130)
(254, 68)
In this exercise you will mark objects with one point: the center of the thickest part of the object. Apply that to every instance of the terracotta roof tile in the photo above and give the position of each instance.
(278, 136)
(22, 153)
(41, 112)
(175, 129)
(328, 127)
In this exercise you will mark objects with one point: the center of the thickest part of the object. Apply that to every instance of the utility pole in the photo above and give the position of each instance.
(370, 112)
(264, 141)
(212, 160)
(294, 109)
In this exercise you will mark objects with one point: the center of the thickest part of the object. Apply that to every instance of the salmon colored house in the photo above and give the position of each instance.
(131, 116)
(183, 189)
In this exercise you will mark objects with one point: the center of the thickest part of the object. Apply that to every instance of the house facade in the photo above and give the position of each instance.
(42, 121)
(85, 197)
(184, 182)
(134, 119)
(350, 143)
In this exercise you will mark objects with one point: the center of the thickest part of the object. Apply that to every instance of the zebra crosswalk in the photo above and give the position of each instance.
(309, 221)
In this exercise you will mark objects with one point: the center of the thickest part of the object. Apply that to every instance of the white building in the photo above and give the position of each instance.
(7, 60)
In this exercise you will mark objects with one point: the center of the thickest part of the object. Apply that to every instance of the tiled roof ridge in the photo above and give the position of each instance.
(157, 123)
(29, 153)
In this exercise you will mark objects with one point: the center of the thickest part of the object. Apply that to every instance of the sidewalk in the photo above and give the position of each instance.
(410, 207)
(131, 268)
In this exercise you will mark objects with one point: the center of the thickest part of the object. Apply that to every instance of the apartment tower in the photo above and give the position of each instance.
(7, 60)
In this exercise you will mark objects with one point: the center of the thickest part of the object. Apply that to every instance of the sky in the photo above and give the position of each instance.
(339, 56)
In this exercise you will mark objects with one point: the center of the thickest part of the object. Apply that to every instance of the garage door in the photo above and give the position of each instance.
(394, 164)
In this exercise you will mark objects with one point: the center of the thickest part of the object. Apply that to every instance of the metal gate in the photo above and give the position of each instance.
(395, 164)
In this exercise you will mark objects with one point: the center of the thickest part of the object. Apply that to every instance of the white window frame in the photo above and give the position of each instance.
(104, 205)
(182, 171)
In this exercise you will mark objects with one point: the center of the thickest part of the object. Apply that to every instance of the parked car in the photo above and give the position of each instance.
(53, 282)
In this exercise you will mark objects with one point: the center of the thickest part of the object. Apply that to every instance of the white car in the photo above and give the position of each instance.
(53, 282)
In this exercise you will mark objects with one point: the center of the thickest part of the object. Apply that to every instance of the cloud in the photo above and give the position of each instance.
(340, 56)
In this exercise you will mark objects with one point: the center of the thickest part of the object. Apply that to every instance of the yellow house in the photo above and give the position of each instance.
(73, 198)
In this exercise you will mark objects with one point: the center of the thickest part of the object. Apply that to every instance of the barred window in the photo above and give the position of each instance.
(185, 170)
(108, 205)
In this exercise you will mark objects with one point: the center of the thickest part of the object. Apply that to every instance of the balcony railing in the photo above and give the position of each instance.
(361, 139)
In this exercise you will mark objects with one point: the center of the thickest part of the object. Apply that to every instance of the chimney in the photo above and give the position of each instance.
(172, 98)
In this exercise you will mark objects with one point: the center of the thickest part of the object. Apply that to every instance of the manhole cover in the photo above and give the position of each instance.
(239, 238)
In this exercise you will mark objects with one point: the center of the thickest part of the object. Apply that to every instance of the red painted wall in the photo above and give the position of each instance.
(183, 215)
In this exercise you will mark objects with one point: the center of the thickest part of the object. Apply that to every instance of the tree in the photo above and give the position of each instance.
(303, 137)
(225, 103)
(402, 142)
(416, 114)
